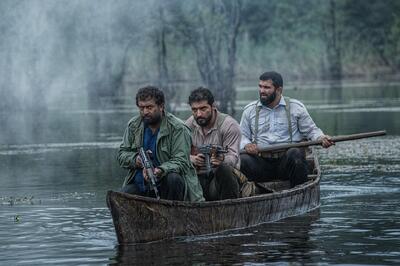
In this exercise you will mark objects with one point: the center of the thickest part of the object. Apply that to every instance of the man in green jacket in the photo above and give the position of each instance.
(169, 142)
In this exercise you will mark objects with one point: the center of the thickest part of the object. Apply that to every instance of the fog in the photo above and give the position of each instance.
(75, 54)
(62, 53)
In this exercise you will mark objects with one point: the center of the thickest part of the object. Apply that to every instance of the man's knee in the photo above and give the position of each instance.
(246, 158)
(246, 162)
(225, 185)
(174, 180)
(223, 169)
(224, 174)
(173, 187)
(295, 154)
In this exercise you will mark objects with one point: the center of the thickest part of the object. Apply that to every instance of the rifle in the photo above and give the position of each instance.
(283, 147)
(211, 149)
(148, 165)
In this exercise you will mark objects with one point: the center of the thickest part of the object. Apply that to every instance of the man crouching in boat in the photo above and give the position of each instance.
(211, 128)
(266, 122)
(168, 140)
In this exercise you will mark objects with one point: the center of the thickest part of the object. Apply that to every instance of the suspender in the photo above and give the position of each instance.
(287, 110)
(289, 117)
(258, 108)
(219, 125)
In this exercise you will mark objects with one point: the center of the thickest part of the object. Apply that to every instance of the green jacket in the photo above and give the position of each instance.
(173, 151)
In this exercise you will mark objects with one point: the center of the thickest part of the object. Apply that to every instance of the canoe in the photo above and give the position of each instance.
(140, 219)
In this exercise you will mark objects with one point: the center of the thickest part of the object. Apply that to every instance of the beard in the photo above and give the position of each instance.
(268, 99)
(203, 121)
(152, 119)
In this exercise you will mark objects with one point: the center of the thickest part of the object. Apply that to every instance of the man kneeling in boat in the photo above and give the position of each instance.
(169, 141)
(212, 129)
(274, 119)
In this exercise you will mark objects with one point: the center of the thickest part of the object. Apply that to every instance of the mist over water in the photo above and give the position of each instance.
(64, 54)
(75, 54)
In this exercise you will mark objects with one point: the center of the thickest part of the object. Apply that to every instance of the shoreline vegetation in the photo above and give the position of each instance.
(245, 90)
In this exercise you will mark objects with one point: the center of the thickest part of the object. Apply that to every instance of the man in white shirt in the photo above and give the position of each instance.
(266, 122)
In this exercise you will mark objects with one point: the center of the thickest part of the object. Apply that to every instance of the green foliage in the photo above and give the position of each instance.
(373, 24)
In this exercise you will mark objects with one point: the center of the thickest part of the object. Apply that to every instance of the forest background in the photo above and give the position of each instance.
(70, 54)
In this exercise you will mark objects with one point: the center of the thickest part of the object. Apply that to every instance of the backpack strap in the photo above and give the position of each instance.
(220, 121)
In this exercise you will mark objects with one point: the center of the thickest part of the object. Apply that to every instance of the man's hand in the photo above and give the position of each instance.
(326, 141)
(138, 162)
(157, 172)
(145, 175)
(198, 160)
(251, 148)
(216, 160)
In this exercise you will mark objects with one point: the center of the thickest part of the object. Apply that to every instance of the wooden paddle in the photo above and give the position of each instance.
(283, 147)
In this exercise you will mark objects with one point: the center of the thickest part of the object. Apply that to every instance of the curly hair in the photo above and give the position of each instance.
(148, 93)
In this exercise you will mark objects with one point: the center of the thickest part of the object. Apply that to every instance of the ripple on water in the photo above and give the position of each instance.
(71, 229)
(359, 216)
(54, 147)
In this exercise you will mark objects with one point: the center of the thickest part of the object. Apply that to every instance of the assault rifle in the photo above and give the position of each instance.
(211, 149)
(148, 165)
(283, 147)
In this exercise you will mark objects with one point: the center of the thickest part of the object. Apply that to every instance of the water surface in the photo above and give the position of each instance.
(56, 167)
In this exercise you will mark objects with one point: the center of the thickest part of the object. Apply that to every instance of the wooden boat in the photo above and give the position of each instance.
(142, 219)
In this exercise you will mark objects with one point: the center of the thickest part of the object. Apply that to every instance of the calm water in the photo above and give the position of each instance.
(57, 166)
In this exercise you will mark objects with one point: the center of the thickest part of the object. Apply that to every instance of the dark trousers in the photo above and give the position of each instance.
(170, 187)
(292, 166)
(220, 184)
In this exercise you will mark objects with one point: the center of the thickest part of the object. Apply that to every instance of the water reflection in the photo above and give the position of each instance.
(288, 239)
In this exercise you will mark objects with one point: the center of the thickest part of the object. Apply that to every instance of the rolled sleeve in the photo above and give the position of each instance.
(307, 126)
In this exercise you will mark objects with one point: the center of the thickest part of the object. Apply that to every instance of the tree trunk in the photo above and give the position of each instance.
(333, 44)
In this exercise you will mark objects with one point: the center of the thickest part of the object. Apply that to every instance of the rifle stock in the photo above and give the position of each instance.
(283, 147)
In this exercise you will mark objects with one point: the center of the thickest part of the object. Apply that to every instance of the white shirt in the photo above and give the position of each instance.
(273, 124)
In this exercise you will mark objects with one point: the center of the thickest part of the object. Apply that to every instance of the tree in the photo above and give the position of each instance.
(160, 40)
(333, 39)
(374, 25)
(211, 29)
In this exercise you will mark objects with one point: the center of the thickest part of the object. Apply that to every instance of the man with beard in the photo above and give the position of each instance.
(274, 119)
(167, 139)
(209, 126)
